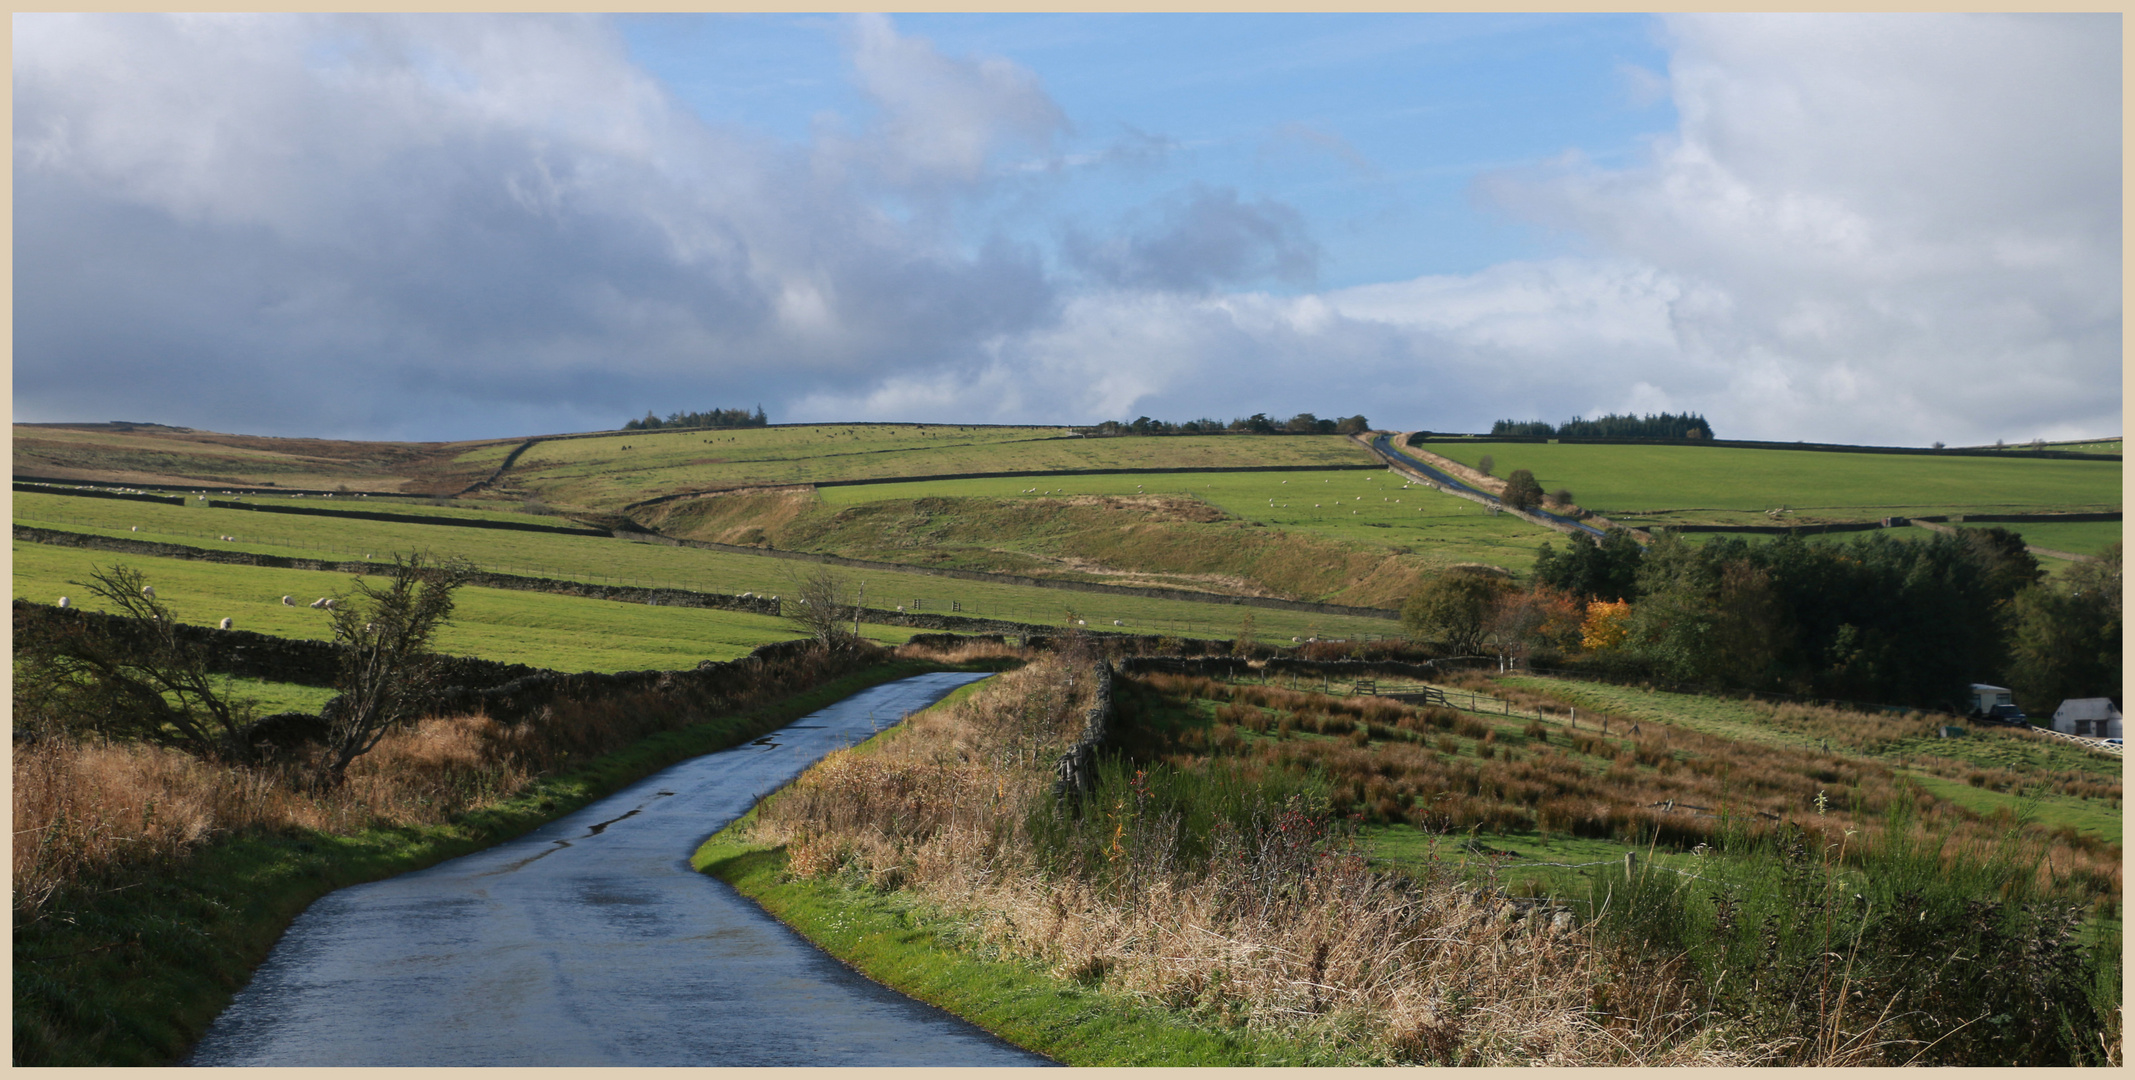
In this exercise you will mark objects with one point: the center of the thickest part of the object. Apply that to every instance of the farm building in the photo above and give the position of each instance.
(2091, 716)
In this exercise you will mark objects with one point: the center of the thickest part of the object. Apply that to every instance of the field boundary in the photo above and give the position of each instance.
(411, 519)
(1749, 444)
(40, 489)
(624, 593)
(663, 499)
(21, 479)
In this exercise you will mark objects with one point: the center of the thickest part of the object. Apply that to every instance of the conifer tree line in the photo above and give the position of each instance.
(1874, 619)
(1612, 426)
(1303, 423)
(716, 418)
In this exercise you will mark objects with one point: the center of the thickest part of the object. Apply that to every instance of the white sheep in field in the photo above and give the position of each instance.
(135, 528)
(330, 602)
(64, 602)
(148, 591)
(288, 602)
(1116, 622)
(1082, 622)
(319, 603)
(224, 624)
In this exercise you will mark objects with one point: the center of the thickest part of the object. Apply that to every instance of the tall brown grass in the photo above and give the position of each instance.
(94, 814)
(1667, 784)
(1283, 928)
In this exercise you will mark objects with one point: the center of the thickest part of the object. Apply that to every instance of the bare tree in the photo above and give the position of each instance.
(823, 605)
(133, 676)
(388, 671)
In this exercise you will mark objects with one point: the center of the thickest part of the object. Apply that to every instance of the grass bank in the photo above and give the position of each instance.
(898, 941)
(132, 969)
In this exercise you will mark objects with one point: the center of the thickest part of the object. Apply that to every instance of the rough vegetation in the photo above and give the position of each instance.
(1215, 867)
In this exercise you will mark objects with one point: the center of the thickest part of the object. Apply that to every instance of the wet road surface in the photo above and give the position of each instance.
(590, 941)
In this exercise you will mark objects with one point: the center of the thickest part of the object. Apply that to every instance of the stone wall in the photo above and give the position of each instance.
(250, 655)
(758, 605)
(408, 519)
(1076, 770)
(93, 493)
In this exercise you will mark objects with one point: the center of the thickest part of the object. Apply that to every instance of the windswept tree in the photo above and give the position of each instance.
(388, 669)
(133, 675)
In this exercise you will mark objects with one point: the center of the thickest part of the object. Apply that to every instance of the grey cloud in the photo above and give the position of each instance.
(1200, 240)
(456, 227)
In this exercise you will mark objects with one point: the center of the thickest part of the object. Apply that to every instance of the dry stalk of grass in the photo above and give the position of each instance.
(89, 812)
(1304, 940)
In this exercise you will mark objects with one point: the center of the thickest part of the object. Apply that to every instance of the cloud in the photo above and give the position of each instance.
(1865, 228)
(1201, 239)
(475, 226)
(942, 117)
(1898, 228)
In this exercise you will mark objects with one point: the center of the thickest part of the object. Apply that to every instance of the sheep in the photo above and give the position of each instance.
(1082, 622)
(1116, 622)
(135, 528)
(330, 602)
(288, 602)
(64, 602)
(224, 624)
(319, 603)
(148, 591)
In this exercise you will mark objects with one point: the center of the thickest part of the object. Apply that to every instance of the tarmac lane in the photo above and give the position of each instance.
(590, 941)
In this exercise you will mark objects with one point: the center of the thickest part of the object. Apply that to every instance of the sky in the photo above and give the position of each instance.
(1878, 229)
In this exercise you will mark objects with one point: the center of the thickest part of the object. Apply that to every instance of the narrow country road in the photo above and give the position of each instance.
(590, 941)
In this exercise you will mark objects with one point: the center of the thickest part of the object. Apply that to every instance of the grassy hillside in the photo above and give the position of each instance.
(608, 561)
(600, 473)
(567, 633)
(152, 454)
(1658, 485)
(1374, 508)
(1356, 538)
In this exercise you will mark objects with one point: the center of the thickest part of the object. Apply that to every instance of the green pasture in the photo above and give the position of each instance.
(2074, 537)
(619, 562)
(2051, 811)
(1656, 485)
(540, 629)
(2080, 446)
(275, 697)
(600, 473)
(1360, 507)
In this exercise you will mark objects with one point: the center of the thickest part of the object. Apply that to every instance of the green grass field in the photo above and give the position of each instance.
(2075, 537)
(1656, 485)
(608, 561)
(1358, 507)
(562, 632)
(598, 473)
(2080, 446)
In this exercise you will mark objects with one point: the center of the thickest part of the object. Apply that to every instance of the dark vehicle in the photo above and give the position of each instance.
(2006, 714)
